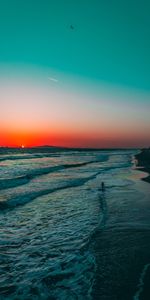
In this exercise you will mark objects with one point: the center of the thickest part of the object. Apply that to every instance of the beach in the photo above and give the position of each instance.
(143, 161)
(62, 237)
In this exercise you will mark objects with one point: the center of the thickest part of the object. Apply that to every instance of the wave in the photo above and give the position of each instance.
(119, 166)
(141, 282)
(13, 182)
(24, 198)
(101, 157)
(16, 157)
(21, 180)
(28, 156)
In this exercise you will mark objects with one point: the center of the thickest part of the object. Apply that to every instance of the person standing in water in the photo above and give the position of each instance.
(103, 186)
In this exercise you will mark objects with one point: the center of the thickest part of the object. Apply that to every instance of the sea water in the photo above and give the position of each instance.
(61, 237)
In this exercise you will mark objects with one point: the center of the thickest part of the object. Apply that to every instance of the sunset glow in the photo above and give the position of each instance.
(93, 93)
(37, 113)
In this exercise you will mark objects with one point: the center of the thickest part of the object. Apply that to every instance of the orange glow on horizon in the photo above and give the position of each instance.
(101, 139)
(34, 113)
(31, 139)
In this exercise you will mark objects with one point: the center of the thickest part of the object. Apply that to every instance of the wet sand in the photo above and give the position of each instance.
(143, 161)
(121, 256)
(122, 246)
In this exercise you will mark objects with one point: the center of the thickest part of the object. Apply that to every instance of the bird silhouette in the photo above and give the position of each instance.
(71, 27)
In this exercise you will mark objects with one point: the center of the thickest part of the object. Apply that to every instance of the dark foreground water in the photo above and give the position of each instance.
(61, 237)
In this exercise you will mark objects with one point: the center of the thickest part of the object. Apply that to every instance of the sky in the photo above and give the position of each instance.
(75, 73)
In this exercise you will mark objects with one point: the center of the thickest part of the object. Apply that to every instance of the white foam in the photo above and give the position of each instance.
(141, 282)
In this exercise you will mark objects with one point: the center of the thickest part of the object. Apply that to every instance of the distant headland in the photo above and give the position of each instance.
(143, 160)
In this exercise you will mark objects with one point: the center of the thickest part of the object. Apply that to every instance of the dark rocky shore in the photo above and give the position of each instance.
(143, 161)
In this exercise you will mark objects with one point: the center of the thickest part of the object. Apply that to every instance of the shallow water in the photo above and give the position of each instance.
(61, 237)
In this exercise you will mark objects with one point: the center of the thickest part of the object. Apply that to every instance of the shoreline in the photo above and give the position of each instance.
(143, 163)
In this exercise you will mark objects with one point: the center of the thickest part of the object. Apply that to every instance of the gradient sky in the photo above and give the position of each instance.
(86, 86)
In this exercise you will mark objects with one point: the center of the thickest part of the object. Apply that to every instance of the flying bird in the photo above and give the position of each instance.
(71, 27)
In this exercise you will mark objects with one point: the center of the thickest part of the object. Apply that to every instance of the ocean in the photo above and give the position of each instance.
(62, 237)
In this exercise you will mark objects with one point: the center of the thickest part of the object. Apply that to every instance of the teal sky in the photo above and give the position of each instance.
(110, 41)
(78, 69)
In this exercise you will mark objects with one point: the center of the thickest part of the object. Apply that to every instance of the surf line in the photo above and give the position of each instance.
(141, 282)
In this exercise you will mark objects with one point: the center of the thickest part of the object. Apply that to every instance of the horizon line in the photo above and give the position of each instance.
(73, 147)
